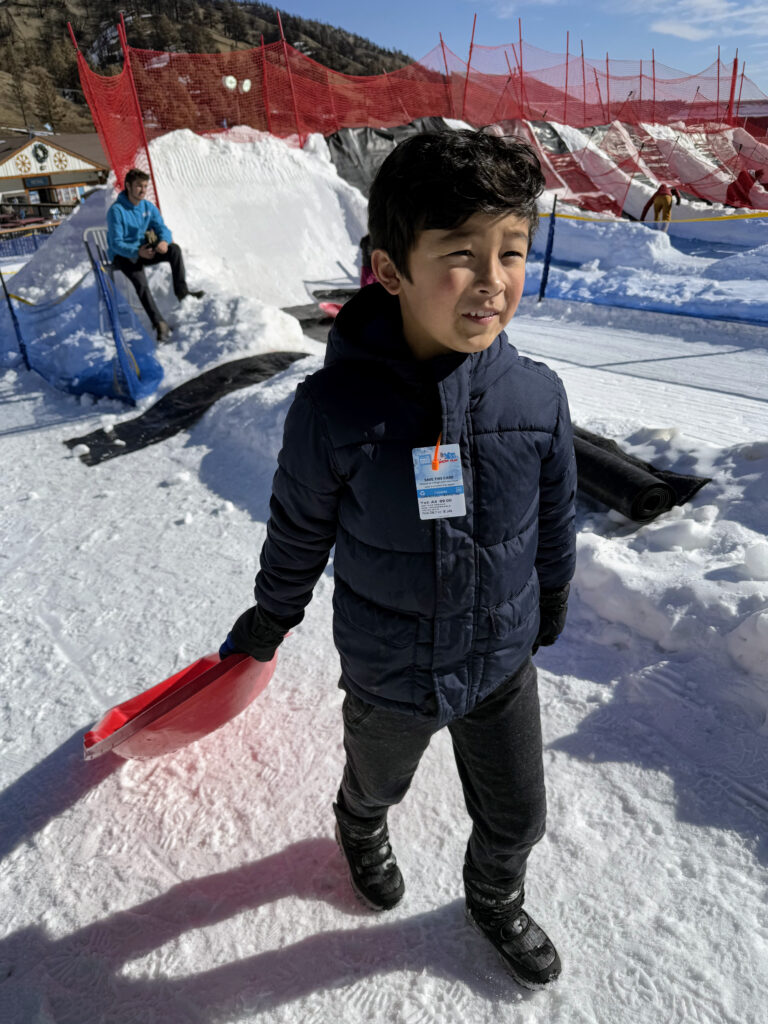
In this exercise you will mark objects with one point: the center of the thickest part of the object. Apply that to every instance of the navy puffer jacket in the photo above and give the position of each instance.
(429, 616)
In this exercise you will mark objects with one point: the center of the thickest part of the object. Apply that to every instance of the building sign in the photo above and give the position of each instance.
(41, 181)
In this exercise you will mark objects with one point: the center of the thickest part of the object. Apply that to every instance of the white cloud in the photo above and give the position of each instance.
(506, 9)
(681, 29)
(702, 19)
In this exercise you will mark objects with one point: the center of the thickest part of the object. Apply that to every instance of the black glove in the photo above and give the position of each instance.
(553, 608)
(255, 633)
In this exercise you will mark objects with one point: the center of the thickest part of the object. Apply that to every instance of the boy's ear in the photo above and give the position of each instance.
(385, 270)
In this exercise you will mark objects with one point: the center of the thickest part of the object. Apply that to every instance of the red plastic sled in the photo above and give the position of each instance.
(181, 709)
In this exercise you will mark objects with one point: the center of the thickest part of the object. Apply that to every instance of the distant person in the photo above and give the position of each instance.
(440, 464)
(137, 237)
(367, 275)
(662, 205)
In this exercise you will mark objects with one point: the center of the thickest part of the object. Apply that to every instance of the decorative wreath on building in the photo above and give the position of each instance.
(40, 152)
(60, 160)
(23, 163)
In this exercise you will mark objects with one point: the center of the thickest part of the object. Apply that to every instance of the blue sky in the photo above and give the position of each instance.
(685, 34)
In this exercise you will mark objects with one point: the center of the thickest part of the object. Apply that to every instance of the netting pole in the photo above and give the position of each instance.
(523, 91)
(689, 118)
(548, 252)
(608, 88)
(734, 75)
(448, 89)
(123, 35)
(718, 84)
(583, 86)
(509, 80)
(640, 97)
(469, 63)
(636, 161)
(290, 80)
(741, 86)
(16, 325)
(565, 94)
(653, 107)
(264, 88)
(599, 94)
(92, 105)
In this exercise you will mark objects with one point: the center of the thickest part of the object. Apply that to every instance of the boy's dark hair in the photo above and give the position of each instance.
(439, 180)
(135, 175)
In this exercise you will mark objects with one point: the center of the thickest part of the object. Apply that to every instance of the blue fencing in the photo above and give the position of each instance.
(22, 245)
(64, 341)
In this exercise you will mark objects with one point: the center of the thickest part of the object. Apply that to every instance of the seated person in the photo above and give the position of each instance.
(137, 237)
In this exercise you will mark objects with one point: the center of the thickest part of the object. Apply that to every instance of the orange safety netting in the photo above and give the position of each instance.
(277, 89)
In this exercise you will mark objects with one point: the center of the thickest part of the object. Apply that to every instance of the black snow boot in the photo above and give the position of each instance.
(373, 870)
(525, 948)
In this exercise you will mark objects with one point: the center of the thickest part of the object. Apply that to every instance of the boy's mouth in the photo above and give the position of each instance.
(482, 316)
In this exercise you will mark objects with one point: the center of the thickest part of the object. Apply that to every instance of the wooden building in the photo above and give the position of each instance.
(39, 173)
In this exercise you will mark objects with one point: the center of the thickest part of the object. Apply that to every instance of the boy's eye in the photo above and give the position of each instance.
(461, 252)
(512, 254)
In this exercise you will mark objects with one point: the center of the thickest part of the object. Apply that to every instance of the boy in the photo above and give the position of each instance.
(440, 463)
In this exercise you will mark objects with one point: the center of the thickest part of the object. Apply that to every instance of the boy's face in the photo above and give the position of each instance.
(466, 283)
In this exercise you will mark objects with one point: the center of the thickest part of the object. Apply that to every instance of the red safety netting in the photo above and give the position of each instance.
(277, 89)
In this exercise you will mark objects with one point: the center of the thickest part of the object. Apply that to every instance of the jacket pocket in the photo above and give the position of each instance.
(515, 615)
(377, 645)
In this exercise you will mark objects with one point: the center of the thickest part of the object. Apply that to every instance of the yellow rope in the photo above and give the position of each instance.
(688, 220)
(55, 302)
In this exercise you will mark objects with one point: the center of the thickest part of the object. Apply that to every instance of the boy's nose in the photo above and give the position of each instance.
(489, 277)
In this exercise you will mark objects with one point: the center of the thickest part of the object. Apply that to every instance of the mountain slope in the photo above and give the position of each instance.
(39, 83)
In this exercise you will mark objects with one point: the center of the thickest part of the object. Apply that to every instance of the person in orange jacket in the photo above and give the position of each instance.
(662, 205)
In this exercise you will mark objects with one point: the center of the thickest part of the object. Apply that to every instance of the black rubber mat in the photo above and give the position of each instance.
(181, 407)
(635, 488)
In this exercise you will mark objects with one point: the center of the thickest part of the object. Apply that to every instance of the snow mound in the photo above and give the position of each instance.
(744, 266)
(259, 218)
(694, 581)
(612, 244)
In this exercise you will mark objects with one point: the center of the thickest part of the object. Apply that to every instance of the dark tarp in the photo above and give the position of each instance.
(606, 473)
(357, 153)
(340, 295)
(315, 322)
(622, 482)
(181, 407)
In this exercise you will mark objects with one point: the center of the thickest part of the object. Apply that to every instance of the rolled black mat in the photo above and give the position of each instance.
(181, 407)
(625, 483)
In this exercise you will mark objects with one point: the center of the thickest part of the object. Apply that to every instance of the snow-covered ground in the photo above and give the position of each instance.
(205, 886)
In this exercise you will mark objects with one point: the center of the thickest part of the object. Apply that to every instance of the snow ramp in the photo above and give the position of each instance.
(258, 217)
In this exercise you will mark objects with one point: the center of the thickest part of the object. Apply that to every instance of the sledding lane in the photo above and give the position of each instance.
(716, 392)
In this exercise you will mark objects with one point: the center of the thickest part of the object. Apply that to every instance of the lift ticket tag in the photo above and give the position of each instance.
(440, 492)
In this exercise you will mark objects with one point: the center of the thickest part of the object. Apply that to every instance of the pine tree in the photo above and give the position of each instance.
(48, 105)
(11, 65)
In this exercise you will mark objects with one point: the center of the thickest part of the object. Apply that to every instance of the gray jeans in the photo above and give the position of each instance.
(497, 747)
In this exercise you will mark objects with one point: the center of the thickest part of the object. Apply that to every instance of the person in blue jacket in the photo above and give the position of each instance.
(440, 463)
(137, 237)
